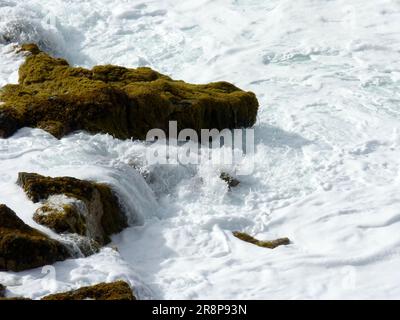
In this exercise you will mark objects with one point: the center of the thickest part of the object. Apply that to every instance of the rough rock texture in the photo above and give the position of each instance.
(22, 247)
(119, 290)
(125, 103)
(272, 244)
(98, 216)
(62, 215)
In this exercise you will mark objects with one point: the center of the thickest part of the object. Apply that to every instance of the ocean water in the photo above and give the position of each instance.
(326, 162)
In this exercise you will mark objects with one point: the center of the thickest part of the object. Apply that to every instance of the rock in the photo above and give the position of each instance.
(70, 218)
(125, 103)
(232, 182)
(75, 206)
(56, 128)
(22, 247)
(80, 245)
(63, 215)
(272, 244)
(9, 121)
(2, 291)
(29, 47)
(119, 290)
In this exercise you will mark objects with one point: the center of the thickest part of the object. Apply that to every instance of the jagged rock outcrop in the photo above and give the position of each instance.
(119, 290)
(125, 103)
(271, 244)
(75, 206)
(22, 247)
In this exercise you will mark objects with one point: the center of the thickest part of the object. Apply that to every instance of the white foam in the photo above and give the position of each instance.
(326, 163)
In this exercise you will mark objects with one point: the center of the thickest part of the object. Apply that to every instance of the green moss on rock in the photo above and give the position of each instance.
(9, 121)
(2, 291)
(22, 247)
(56, 128)
(29, 47)
(272, 244)
(119, 290)
(65, 219)
(125, 103)
(103, 217)
(39, 187)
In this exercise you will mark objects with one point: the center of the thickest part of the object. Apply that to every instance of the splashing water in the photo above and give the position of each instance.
(326, 147)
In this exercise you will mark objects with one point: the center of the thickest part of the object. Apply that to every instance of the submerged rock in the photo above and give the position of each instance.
(272, 244)
(75, 206)
(119, 290)
(230, 181)
(22, 247)
(125, 103)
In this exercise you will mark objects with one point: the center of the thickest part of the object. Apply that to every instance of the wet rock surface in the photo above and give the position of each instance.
(75, 206)
(22, 247)
(125, 103)
(269, 244)
(119, 290)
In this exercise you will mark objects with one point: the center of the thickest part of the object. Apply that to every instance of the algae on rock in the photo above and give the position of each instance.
(119, 290)
(125, 103)
(63, 215)
(22, 247)
(75, 206)
(269, 244)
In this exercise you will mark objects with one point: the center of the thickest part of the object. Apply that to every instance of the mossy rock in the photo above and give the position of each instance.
(29, 47)
(22, 247)
(65, 218)
(38, 187)
(271, 244)
(104, 215)
(119, 290)
(125, 103)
